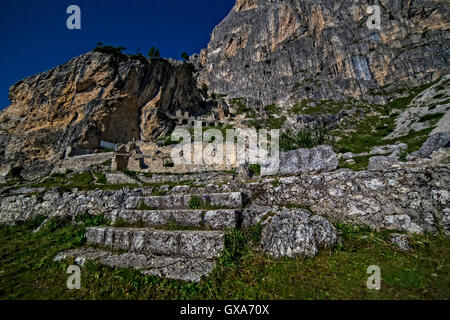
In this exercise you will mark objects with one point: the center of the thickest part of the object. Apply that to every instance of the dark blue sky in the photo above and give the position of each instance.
(34, 36)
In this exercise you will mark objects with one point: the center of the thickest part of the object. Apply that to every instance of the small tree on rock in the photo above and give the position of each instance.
(185, 56)
(154, 53)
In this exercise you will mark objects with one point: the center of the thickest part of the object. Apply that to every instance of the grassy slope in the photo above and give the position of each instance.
(27, 270)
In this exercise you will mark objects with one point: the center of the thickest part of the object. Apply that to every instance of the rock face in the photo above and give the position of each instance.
(293, 233)
(92, 98)
(282, 51)
(409, 198)
(318, 159)
(430, 109)
(401, 241)
(433, 143)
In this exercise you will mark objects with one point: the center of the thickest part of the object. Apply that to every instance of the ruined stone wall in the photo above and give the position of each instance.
(410, 198)
(79, 163)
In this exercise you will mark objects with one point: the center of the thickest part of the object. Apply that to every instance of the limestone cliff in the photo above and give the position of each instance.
(282, 51)
(92, 98)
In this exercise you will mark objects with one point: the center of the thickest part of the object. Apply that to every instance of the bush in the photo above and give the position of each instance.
(154, 53)
(195, 203)
(305, 138)
(185, 56)
(204, 90)
(116, 51)
(255, 169)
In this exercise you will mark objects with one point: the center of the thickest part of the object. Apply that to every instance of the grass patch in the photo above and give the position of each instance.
(28, 271)
(431, 116)
(144, 207)
(196, 203)
(414, 140)
(255, 169)
(273, 109)
(83, 181)
(297, 206)
(360, 164)
(360, 135)
(305, 138)
(101, 178)
(176, 226)
(121, 223)
(241, 108)
(270, 123)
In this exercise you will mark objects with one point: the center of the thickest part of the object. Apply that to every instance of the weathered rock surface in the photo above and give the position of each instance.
(430, 109)
(189, 244)
(181, 201)
(284, 51)
(92, 98)
(318, 159)
(434, 142)
(411, 198)
(177, 254)
(201, 219)
(382, 162)
(296, 232)
(178, 268)
(401, 241)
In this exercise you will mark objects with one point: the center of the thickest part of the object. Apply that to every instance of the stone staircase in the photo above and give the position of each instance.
(163, 236)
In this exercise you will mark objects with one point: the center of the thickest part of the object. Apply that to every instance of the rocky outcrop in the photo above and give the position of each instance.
(300, 161)
(430, 109)
(433, 143)
(294, 233)
(283, 51)
(410, 197)
(92, 98)
(400, 241)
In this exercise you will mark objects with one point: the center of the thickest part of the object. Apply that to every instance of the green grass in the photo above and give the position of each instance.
(297, 206)
(359, 136)
(255, 169)
(414, 140)
(305, 138)
(360, 164)
(241, 107)
(432, 117)
(101, 178)
(28, 272)
(144, 207)
(82, 181)
(321, 107)
(121, 223)
(272, 109)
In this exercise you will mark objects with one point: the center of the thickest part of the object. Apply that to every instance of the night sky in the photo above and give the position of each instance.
(34, 37)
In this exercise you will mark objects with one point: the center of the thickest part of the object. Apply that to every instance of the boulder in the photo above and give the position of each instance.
(297, 233)
(433, 143)
(381, 162)
(296, 162)
(401, 241)
(244, 172)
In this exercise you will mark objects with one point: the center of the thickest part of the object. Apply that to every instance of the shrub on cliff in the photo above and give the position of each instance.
(154, 53)
(117, 51)
(305, 138)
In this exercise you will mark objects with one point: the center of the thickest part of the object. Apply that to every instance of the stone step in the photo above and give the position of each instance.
(189, 244)
(178, 268)
(232, 200)
(208, 219)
